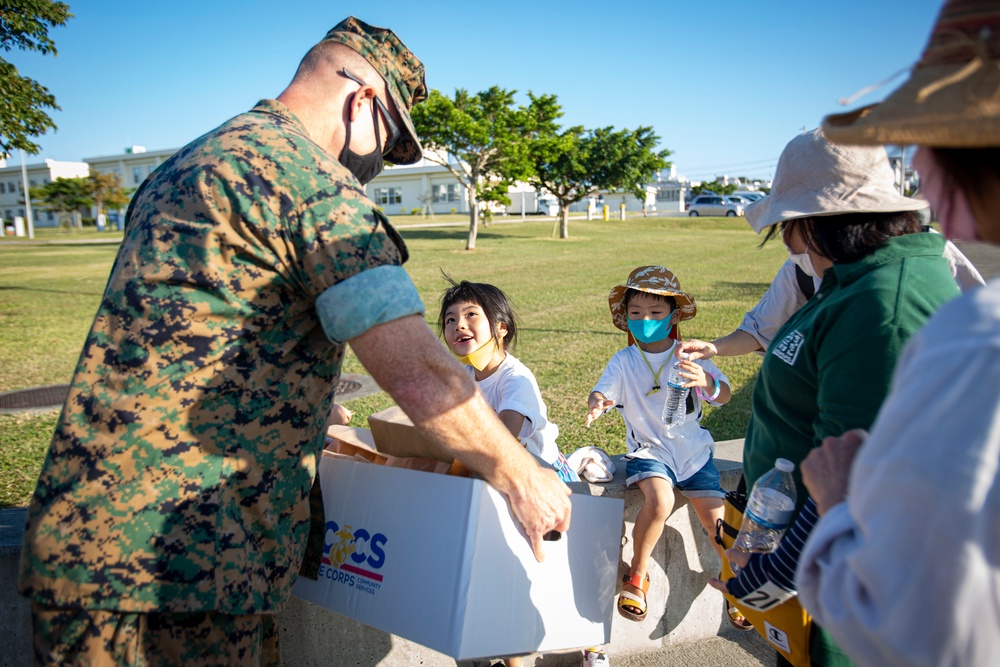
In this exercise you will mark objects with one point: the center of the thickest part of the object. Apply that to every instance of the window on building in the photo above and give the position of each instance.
(31, 183)
(453, 192)
(150, 169)
(49, 216)
(667, 195)
(8, 214)
(2, 187)
(137, 175)
(440, 193)
(385, 196)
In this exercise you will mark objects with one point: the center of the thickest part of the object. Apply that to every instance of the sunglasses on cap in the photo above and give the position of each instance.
(394, 133)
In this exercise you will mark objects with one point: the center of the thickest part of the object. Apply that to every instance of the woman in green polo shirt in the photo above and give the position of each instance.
(829, 366)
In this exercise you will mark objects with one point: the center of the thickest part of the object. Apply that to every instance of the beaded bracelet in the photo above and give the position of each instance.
(715, 394)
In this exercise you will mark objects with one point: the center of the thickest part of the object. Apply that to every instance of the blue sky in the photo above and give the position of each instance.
(724, 84)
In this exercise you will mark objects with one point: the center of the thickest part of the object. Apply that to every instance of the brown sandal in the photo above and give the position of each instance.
(736, 618)
(630, 605)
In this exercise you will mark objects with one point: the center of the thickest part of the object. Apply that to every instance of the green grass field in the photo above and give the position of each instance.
(49, 293)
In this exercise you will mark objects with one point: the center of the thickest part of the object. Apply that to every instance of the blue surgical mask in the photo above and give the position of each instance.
(650, 331)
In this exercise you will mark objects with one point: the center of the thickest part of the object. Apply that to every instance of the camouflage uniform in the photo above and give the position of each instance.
(178, 477)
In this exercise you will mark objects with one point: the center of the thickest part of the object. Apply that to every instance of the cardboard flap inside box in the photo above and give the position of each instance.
(350, 441)
(395, 435)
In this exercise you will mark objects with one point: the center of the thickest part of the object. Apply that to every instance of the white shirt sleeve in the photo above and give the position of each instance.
(779, 302)
(966, 275)
(907, 570)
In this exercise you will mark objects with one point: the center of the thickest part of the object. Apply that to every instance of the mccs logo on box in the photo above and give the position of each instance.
(352, 557)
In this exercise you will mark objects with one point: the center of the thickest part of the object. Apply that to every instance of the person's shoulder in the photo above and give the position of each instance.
(974, 315)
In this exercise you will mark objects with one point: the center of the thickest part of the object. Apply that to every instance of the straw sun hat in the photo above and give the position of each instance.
(655, 280)
(952, 98)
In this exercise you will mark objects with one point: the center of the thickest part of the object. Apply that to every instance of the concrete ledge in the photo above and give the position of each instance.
(682, 607)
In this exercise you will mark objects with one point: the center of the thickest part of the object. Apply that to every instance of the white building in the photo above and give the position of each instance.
(403, 189)
(131, 167)
(398, 190)
(11, 188)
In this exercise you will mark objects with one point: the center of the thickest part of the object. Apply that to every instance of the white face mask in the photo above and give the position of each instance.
(803, 261)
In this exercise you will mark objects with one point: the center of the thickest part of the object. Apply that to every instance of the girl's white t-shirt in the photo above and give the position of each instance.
(626, 380)
(513, 387)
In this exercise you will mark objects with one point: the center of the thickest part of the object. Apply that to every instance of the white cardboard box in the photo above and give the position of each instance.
(440, 560)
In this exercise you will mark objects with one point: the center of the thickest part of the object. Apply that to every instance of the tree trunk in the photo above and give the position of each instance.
(564, 221)
(470, 243)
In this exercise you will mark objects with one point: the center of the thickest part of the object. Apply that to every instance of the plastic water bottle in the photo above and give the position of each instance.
(675, 409)
(768, 512)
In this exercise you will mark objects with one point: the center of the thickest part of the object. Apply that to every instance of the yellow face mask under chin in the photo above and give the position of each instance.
(480, 358)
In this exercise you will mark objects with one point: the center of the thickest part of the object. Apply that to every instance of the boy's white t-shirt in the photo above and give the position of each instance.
(626, 379)
(513, 387)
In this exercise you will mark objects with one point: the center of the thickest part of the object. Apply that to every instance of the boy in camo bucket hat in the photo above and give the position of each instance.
(660, 456)
(654, 280)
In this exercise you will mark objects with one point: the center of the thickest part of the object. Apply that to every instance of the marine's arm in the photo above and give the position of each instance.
(409, 362)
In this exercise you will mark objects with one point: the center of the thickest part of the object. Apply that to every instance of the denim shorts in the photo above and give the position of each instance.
(705, 483)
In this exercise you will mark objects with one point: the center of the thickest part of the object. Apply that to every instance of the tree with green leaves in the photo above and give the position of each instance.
(576, 163)
(24, 25)
(715, 187)
(484, 140)
(64, 197)
(106, 190)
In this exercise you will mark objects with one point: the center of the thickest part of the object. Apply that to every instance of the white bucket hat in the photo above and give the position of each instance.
(593, 464)
(817, 178)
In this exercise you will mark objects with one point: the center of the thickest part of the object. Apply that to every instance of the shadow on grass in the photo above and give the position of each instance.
(725, 291)
(446, 233)
(572, 331)
(21, 288)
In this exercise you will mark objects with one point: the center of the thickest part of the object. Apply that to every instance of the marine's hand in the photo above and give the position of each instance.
(696, 349)
(597, 404)
(543, 507)
(827, 469)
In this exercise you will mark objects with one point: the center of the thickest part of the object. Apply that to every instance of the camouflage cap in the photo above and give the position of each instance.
(403, 74)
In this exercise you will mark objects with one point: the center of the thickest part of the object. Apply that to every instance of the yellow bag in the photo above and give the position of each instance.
(786, 625)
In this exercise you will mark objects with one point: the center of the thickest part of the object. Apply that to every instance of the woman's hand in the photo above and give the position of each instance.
(739, 558)
(597, 403)
(696, 349)
(827, 469)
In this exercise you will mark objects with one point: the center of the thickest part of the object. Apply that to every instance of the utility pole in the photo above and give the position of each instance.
(902, 170)
(27, 198)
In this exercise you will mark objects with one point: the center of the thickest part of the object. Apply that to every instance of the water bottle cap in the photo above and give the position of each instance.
(784, 465)
(682, 355)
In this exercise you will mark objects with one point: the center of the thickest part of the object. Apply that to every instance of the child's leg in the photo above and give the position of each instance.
(513, 662)
(704, 491)
(709, 511)
(658, 503)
